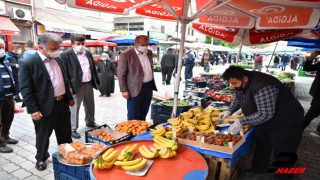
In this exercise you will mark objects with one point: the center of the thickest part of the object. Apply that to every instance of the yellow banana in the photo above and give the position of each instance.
(174, 153)
(157, 146)
(108, 165)
(146, 153)
(163, 141)
(136, 167)
(111, 156)
(95, 163)
(107, 153)
(163, 151)
(123, 153)
(133, 148)
(128, 163)
(168, 154)
(129, 157)
(175, 147)
(211, 128)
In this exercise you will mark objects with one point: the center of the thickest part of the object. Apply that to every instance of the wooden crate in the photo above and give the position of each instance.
(219, 168)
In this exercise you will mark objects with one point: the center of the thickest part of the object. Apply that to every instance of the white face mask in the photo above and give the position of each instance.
(54, 54)
(2, 53)
(79, 49)
(143, 49)
(19, 51)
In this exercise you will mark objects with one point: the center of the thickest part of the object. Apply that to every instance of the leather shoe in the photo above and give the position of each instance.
(75, 135)
(94, 125)
(12, 141)
(6, 149)
(40, 165)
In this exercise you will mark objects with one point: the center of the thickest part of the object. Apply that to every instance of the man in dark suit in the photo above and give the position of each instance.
(45, 91)
(7, 91)
(83, 77)
(313, 112)
(136, 80)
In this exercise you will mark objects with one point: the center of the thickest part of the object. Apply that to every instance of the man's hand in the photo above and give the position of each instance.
(71, 102)
(224, 114)
(36, 116)
(235, 127)
(126, 95)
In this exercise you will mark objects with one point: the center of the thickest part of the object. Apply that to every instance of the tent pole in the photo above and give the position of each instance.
(272, 56)
(178, 75)
(239, 54)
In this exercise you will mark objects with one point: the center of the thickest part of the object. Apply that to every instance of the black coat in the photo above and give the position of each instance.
(315, 87)
(36, 87)
(74, 71)
(14, 60)
(168, 60)
(107, 71)
(211, 58)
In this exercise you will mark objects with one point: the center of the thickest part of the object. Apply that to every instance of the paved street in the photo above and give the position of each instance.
(111, 110)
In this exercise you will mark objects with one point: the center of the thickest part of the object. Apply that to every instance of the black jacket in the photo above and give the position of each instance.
(168, 60)
(315, 87)
(36, 87)
(14, 60)
(211, 57)
(74, 70)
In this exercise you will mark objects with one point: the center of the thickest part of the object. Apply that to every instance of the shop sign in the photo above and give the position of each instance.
(40, 29)
(2, 8)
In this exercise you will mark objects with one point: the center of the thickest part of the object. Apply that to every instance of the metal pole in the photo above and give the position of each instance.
(178, 75)
(272, 56)
(239, 54)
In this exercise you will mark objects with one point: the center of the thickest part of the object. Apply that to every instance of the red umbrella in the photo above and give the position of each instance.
(247, 14)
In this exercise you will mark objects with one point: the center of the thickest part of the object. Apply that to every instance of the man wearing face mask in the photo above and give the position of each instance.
(136, 80)
(7, 90)
(13, 57)
(45, 89)
(269, 106)
(83, 78)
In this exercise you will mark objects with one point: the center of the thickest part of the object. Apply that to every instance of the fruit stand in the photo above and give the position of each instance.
(187, 164)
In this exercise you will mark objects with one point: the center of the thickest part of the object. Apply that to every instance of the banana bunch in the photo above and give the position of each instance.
(205, 125)
(106, 160)
(132, 165)
(246, 128)
(166, 142)
(148, 153)
(99, 163)
(160, 131)
(127, 153)
(165, 152)
(175, 122)
(169, 134)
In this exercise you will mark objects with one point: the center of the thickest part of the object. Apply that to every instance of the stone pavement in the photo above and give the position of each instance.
(111, 110)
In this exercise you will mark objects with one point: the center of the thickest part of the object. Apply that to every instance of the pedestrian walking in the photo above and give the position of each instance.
(284, 61)
(8, 90)
(14, 57)
(207, 58)
(106, 70)
(29, 49)
(189, 61)
(313, 111)
(136, 79)
(257, 62)
(45, 89)
(168, 62)
(276, 62)
(83, 77)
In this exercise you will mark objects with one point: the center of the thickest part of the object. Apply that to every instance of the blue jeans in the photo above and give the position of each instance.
(188, 71)
(283, 66)
(275, 65)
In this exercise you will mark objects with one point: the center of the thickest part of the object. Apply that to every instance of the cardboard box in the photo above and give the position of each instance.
(201, 144)
(92, 135)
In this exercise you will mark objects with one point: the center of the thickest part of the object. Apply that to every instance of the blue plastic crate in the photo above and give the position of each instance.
(65, 172)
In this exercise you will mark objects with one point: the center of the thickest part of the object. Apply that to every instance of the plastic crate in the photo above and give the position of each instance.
(207, 77)
(65, 172)
(191, 84)
(94, 139)
(161, 113)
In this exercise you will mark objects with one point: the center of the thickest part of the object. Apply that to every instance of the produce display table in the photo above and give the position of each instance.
(187, 165)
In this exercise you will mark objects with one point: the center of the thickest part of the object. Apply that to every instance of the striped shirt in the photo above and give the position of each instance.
(265, 100)
(7, 83)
